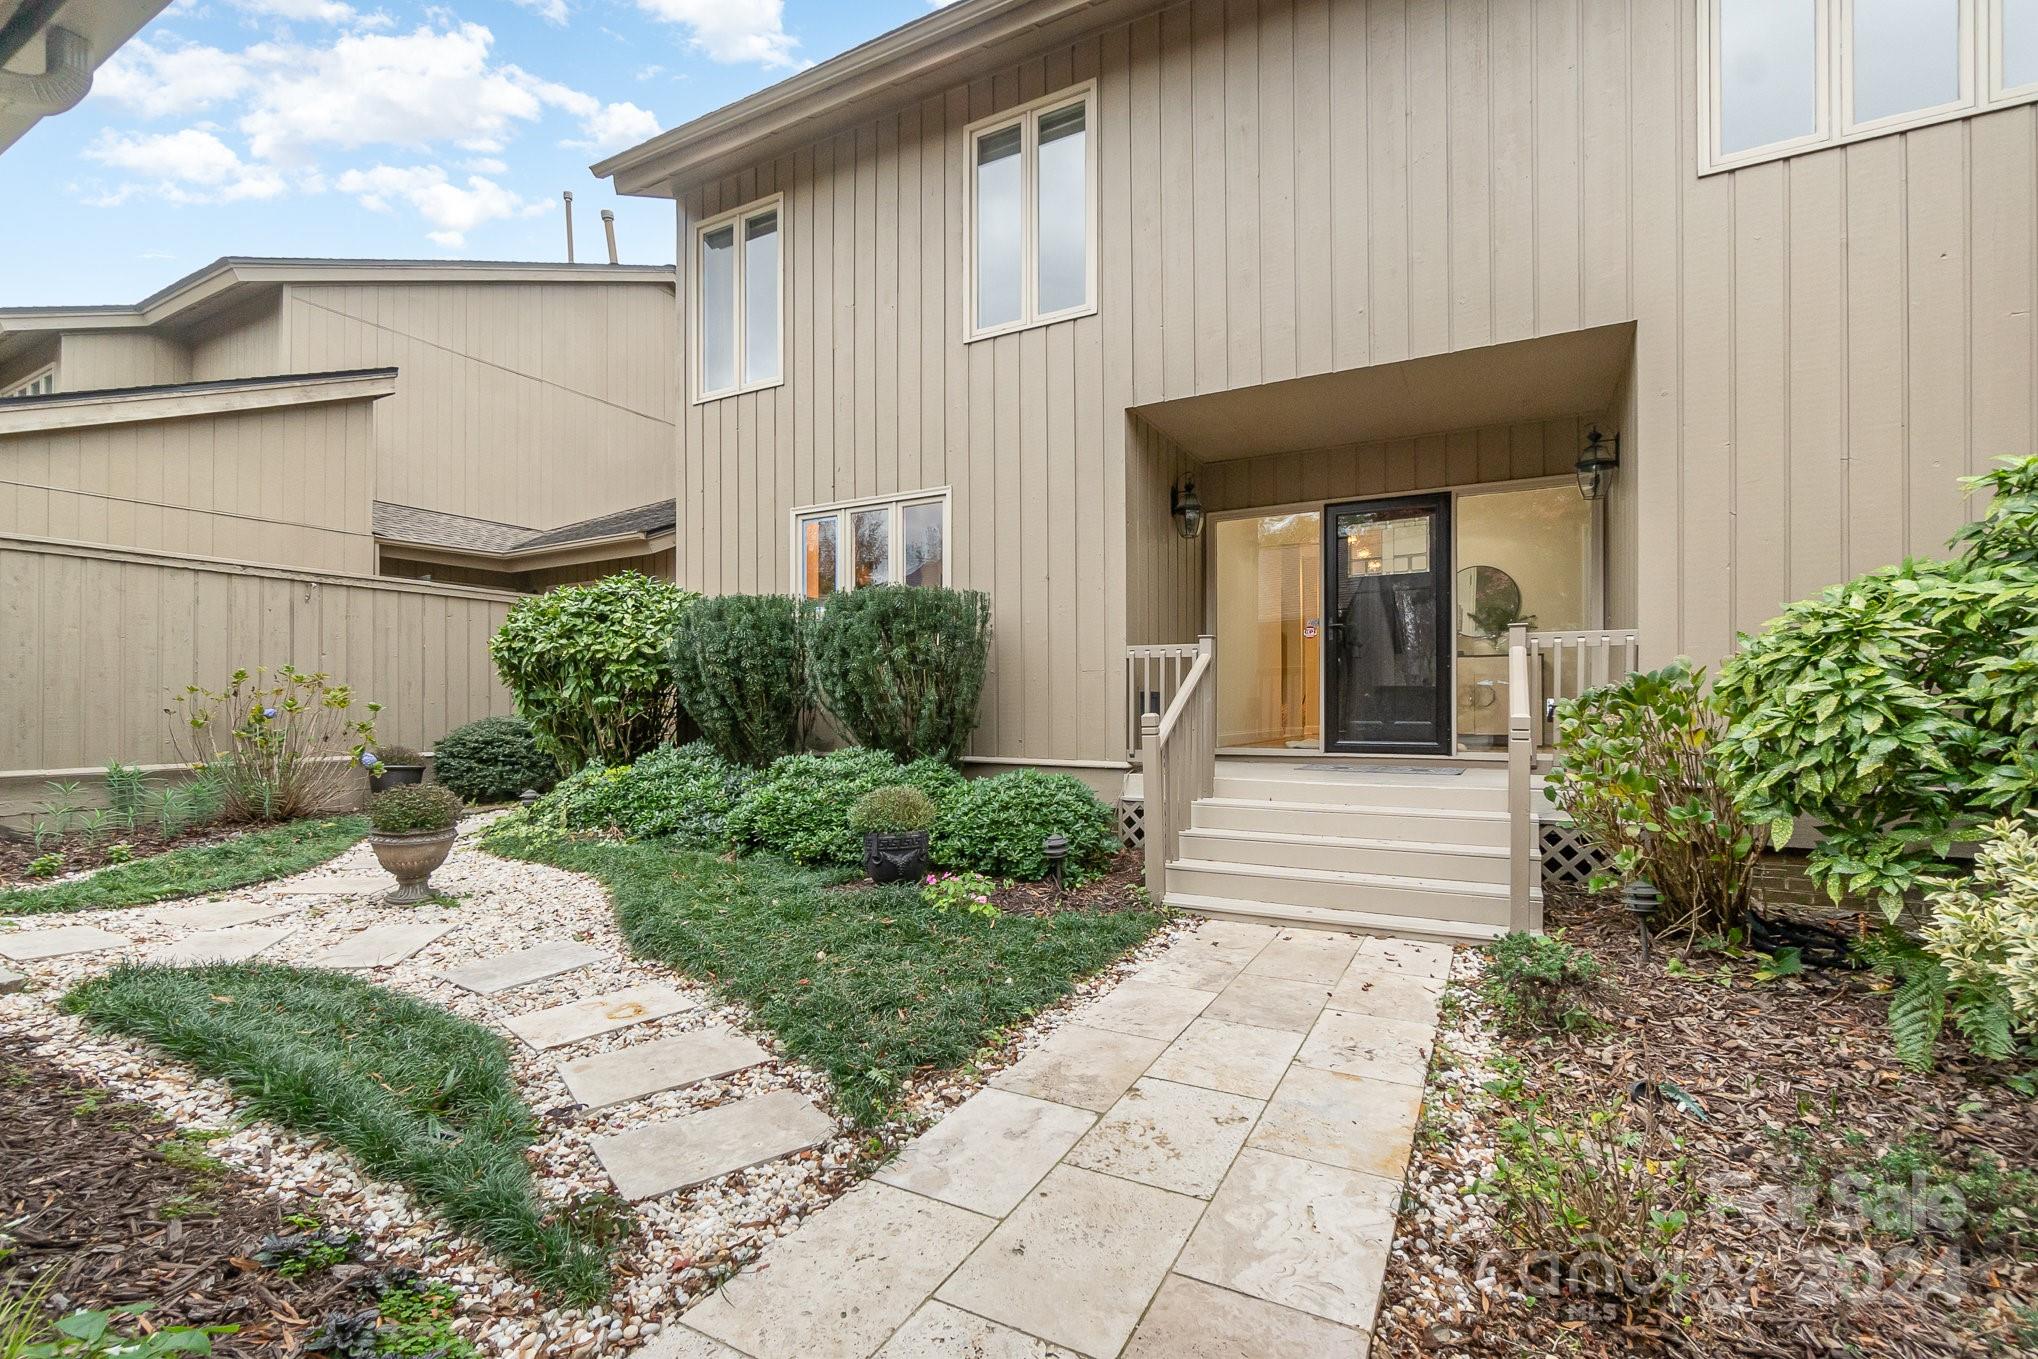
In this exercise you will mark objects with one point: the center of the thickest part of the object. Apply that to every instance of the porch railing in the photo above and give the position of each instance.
(1153, 676)
(1178, 762)
(1544, 669)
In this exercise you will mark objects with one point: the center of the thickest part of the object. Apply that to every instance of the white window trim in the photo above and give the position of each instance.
(845, 552)
(738, 216)
(1027, 117)
(21, 388)
(1981, 63)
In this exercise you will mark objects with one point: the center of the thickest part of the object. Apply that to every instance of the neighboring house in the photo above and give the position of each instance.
(414, 440)
(1020, 295)
(49, 50)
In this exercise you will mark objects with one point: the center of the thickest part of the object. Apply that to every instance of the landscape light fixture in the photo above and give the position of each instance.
(1056, 849)
(1641, 899)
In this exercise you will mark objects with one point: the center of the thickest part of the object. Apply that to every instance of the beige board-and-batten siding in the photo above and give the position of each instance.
(95, 640)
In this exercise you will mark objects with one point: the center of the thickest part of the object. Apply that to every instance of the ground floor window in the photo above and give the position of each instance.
(847, 546)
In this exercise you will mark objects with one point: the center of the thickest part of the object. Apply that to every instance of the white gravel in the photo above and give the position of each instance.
(686, 1242)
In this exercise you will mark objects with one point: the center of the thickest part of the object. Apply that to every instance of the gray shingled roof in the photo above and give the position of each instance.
(435, 528)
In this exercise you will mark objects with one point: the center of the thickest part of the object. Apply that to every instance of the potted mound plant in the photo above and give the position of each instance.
(411, 829)
(894, 822)
(396, 766)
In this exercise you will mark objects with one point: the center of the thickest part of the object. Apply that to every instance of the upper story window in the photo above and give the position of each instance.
(1032, 214)
(43, 383)
(737, 313)
(871, 542)
(1782, 76)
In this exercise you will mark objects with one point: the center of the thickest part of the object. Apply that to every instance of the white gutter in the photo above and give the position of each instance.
(66, 76)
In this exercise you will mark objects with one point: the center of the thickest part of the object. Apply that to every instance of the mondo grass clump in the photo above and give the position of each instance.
(417, 1094)
(257, 856)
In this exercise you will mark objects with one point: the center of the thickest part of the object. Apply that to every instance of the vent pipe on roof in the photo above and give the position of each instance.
(608, 226)
(568, 195)
(66, 76)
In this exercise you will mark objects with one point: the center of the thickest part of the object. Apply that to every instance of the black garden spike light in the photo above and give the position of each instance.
(1641, 899)
(1056, 850)
(529, 797)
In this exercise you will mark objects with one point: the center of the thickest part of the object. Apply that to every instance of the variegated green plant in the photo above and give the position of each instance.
(1984, 928)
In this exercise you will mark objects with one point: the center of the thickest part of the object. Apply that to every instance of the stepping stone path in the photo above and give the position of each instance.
(682, 1152)
(382, 945)
(563, 1024)
(213, 915)
(506, 970)
(29, 945)
(667, 1064)
(356, 886)
(233, 944)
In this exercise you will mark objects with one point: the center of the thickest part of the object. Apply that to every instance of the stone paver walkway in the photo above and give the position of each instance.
(1207, 1161)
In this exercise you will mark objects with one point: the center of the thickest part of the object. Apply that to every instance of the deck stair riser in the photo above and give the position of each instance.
(1441, 792)
(1386, 858)
(1362, 922)
(1378, 894)
(1430, 825)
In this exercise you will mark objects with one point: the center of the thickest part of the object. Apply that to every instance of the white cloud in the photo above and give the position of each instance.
(731, 30)
(454, 209)
(615, 126)
(551, 11)
(301, 11)
(192, 166)
(161, 81)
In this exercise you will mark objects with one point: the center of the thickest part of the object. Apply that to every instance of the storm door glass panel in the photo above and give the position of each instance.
(1062, 270)
(873, 530)
(1524, 556)
(2020, 43)
(718, 309)
(1768, 72)
(1906, 56)
(1268, 574)
(821, 567)
(1389, 659)
(920, 542)
(999, 213)
(760, 299)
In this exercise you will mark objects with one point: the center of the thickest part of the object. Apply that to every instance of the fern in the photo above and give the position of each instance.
(1917, 1012)
(1983, 1016)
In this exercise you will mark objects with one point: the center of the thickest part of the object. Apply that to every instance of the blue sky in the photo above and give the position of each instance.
(351, 127)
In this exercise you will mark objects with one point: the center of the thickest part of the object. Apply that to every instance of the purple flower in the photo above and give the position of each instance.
(368, 760)
(268, 712)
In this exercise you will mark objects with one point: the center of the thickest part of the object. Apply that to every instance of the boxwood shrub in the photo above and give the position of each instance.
(997, 825)
(493, 760)
(680, 793)
(901, 667)
(799, 807)
(740, 662)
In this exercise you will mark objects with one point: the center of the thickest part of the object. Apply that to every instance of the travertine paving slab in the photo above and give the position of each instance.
(1270, 1002)
(382, 945)
(1232, 936)
(989, 1153)
(1366, 1045)
(677, 1342)
(1349, 1121)
(229, 944)
(1089, 1068)
(1304, 1235)
(1175, 1137)
(505, 970)
(843, 1282)
(1219, 1055)
(1187, 965)
(217, 915)
(938, 1331)
(1078, 1261)
(359, 885)
(667, 1064)
(11, 982)
(1411, 956)
(569, 1023)
(1145, 1008)
(28, 945)
(1192, 1320)
(1306, 956)
(1386, 994)
(679, 1153)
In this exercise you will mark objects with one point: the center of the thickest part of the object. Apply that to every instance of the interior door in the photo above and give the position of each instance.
(1387, 672)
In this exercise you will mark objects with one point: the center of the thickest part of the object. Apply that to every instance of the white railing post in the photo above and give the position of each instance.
(1152, 771)
(1178, 760)
(1522, 726)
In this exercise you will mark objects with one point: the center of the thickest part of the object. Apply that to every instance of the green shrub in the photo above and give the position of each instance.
(740, 662)
(889, 810)
(1984, 931)
(684, 793)
(996, 825)
(1898, 711)
(799, 807)
(273, 750)
(1638, 770)
(589, 667)
(399, 755)
(412, 808)
(901, 667)
(967, 892)
(1535, 981)
(493, 760)
(46, 865)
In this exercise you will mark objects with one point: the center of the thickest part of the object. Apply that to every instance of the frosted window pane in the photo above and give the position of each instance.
(1062, 207)
(1906, 56)
(2020, 43)
(1768, 71)
(760, 299)
(1000, 254)
(718, 309)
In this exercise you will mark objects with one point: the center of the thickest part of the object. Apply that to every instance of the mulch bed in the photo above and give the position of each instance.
(1799, 1085)
(82, 1205)
(81, 855)
(1112, 890)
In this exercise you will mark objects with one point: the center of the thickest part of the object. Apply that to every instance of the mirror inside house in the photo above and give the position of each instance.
(1524, 555)
(1268, 575)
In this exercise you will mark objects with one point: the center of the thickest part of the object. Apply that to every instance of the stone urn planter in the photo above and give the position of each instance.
(411, 858)
(895, 856)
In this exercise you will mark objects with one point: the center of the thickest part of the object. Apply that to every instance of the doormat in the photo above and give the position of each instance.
(1433, 771)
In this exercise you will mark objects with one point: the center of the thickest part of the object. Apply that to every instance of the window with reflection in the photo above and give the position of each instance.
(1033, 183)
(738, 316)
(871, 542)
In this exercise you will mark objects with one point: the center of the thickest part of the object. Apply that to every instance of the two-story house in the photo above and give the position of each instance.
(1429, 358)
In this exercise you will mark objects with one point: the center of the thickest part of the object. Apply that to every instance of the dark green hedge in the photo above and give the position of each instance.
(740, 662)
(901, 667)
